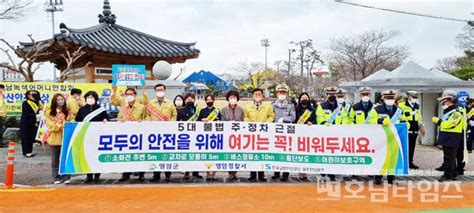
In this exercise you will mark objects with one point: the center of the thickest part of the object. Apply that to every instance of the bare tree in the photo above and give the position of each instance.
(308, 57)
(447, 64)
(70, 57)
(26, 67)
(358, 56)
(14, 9)
(251, 72)
(465, 40)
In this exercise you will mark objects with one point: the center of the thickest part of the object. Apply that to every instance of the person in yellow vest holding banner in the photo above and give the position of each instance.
(386, 114)
(450, 134)
(56, 116)
(210, 114)
(412, 112)
(120, 99)
(75, 102)
(348, 109)
(258, 111)
(3, 110)
(331, 113)
(161, 109)
(135, 112)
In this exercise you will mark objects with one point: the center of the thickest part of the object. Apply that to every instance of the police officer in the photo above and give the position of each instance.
(412, 112)
(364, 106)
(331, 113)
(450, 133)
(284, 111)
(386, 114)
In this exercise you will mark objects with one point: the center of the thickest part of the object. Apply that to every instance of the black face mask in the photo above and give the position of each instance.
(210, 104)
(190, 104)
(305, 102)
(332, 99)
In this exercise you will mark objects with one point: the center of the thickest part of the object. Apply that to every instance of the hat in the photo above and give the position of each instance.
(387, 93)
(341, 92)
(413, 94)
(447, 94)
(330, 90)
(281, 88)
(365, 90)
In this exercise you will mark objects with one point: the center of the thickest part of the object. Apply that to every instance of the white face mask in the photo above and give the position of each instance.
(281, 97)
(160, 94)
(178, 102)
(60, 103)
(445, 106)
(90, 101)
(232, 101)
(414, 101)
(390, 102)
(365, 98)
(130, 98)
(340, 100)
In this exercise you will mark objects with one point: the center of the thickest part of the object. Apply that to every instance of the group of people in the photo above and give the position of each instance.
(333, 110)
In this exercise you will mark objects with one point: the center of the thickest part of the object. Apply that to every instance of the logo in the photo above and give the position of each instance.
(153, 167)
(209, 165)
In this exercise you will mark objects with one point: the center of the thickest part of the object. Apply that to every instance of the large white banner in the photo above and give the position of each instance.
(233, 146)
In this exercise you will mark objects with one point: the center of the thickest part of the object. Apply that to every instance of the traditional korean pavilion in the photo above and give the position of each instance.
(109, 43)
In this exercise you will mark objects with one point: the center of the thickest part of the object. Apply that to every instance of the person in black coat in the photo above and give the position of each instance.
(184, 114)
(204, 116)
(30, 108)
(304, 103)
(91, 99)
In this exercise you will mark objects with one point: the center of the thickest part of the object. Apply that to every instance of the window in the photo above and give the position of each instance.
(103, 71)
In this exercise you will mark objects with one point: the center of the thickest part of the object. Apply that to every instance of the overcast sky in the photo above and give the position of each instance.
(228, 32)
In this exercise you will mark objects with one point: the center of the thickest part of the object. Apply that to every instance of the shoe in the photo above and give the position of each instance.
(168, 179)
(444, 178)
(274, 177)
(469, 151)
(208, 179)
(96, 179)
(67, 181)
(124, 178)
(88, 180)
(197, 176)
(156, 179)
(440, 169)
(284, 179)
(252, 179)
(262, 179)
(57, 182)
(141, 178)
(460, 173)
(29, 155)
(186, 177)
(304, 178)
(378, 182)
(332, 178)
(413, 166)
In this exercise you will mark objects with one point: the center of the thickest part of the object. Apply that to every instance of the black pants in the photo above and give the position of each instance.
(449, 161)
(459, 158)
(470, 139)
(411, 146)
(55, 154)
(157, 174)
(96, 175)
(285, 174)
(27, 136)
(260, 175)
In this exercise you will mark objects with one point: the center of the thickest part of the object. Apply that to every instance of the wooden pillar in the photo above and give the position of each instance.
(89, 74)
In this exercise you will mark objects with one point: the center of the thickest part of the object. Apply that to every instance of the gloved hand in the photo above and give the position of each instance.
(435, 120)
(386, 122)
(471, 123)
